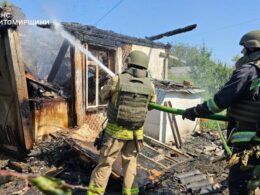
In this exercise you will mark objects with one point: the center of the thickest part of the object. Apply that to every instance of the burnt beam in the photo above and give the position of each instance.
(19, 85)
(57, 63)
(46, 87)
(173, 32)
(77, 86)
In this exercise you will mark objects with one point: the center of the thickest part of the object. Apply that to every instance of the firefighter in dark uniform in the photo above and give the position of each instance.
(240, 95)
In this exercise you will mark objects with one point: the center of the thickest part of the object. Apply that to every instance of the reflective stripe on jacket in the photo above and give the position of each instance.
(132, 191)
(121, 133)
(244, 136)
(94, 190)
(110, 93)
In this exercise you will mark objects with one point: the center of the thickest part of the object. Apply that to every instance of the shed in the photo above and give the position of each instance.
(158, 125)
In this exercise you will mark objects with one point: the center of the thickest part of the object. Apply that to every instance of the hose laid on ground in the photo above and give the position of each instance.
(177, 111)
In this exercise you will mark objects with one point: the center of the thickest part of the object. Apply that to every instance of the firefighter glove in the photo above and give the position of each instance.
(99, 140)
(190, 114)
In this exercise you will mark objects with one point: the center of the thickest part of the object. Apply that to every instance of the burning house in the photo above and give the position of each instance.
(50, 88)
(49, 85)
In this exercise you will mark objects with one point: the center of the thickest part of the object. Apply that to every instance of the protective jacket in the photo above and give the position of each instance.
(129, 94)
(241, 96)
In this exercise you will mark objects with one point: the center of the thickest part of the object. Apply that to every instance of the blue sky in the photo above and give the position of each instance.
(221, 23)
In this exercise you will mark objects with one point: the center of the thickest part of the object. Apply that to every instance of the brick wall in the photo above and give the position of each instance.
(126, 49)
(95, 119)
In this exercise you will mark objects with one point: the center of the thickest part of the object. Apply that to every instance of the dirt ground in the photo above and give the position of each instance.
(56, 159)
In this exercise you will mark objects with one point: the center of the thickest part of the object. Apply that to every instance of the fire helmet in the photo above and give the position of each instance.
(138, 58)
(251, 39)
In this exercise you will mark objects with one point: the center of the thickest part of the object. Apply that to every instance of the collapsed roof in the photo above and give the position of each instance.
(92, 35)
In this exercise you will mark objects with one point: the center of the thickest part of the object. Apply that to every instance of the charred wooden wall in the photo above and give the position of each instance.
(24, 118)
(9, 135)
(16, 131)
(49, 116)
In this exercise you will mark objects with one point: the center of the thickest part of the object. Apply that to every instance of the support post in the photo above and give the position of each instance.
(165, 57)
(77, 79)
(19, 85)
(174, 133)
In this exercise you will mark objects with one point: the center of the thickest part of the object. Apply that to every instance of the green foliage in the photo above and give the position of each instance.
(183, 52)
(179, 78)
(51, 186)
(210, 124)
(204, 71)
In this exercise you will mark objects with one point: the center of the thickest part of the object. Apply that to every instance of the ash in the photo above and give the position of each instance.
(206, 148)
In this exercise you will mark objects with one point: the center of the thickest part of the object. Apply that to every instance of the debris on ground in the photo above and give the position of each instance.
(205, 147)
(192, 171)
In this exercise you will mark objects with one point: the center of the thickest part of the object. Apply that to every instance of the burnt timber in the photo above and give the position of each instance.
(40, 109)
(172, 32)
(92, 35)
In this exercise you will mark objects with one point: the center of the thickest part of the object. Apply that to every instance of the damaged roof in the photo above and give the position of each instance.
(172, 86)
(164, 87)
(92, 35)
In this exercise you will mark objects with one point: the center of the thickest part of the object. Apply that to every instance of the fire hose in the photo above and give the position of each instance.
(217, 117)
(177, 111)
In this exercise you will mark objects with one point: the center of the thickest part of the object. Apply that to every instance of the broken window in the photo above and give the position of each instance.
(96, 77)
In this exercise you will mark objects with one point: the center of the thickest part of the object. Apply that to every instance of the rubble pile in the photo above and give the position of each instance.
(196, 182)
(204, 142)
(55, 157)
(199, 175)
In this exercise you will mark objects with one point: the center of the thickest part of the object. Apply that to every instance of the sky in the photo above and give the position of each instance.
(220, 23)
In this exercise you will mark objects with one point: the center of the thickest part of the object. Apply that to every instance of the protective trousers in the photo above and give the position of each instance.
(108, 154)
(239, 177)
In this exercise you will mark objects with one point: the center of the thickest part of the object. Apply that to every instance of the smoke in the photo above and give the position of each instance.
(76, 43)
(40, 48)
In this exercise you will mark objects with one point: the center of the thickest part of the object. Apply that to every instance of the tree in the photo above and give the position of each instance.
(204, 71)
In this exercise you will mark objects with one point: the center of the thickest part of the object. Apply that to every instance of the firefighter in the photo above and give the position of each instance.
(128, 95)
(240, 95)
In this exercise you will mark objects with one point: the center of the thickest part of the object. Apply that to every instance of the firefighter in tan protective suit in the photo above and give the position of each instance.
(128, 94)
